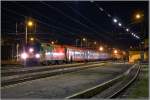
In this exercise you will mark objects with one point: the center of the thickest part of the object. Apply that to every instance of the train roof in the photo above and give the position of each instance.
(69, 46)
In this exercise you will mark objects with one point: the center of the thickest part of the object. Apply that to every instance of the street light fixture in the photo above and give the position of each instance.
(29, 23)
(127, 29)
(137, 16)
(119, 24)
(31, 50)
(95, 42)
(52, 42)
(115, 51)
(84, 39)
(115, 20)
(101, 48)
(32, 39)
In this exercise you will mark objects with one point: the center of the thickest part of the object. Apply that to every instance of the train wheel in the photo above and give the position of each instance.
(53, 62)
(60, 62)
(45, 63)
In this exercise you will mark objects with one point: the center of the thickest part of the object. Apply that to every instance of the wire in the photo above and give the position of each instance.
(37, 20)
(75, 20)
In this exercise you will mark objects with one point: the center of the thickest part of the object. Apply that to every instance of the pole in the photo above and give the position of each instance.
(17, 46)
(12, 52)
(35, 28)
(16, 28)
(26, 36)
(76, 42)
(86, 44)
(81, 43)
(142, 43)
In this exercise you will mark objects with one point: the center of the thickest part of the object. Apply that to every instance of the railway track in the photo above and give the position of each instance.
(111, 88)
(27, 75)
(41, 68)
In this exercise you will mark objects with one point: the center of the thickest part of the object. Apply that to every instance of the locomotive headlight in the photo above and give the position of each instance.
(24, 56)
(37, 55)
(31, 50)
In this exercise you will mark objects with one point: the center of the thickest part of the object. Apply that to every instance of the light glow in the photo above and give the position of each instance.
(52, 42)
(101, 48)
(31, 50)
(54, 53)
(32, 39)
(24, 56)
(84, 39)
(101, 9)
(127, 30)
(115, 51)
(30, 23)
(132, 33)
(115, 20)
(47, 53)
(138, 16)
(119, 24)
(37, 55)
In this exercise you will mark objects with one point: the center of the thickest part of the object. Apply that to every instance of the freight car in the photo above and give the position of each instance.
(58, 54)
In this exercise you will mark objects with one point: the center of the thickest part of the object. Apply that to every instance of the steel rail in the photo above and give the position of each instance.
(37, 75)
(88, 93)
(39, 69)
(126, 85)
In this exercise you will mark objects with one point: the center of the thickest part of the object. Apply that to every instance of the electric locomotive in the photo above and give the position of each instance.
(46, 53)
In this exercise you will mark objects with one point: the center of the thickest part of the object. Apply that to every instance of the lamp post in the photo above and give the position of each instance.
(82, 43)
(17, 48)
(52, 42)
(77, 42)
(30, 24)
(86, 43)
(139, 17)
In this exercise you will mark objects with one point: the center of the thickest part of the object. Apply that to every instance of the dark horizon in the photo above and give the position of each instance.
(68, 21)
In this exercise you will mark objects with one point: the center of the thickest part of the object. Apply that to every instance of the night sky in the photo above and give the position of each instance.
(68, 21)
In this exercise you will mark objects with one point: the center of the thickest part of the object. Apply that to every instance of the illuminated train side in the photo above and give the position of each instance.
(57, 54)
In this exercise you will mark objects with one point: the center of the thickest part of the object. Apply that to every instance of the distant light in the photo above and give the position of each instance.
(32, 39)
(124, 53)
(52, 42)
(24, 55)
(95, 42)
(142, 42)
(119, 24)
(127, 29)
(137, 37)
(108, 15)
(101, 48)
(30, 23)
(47, 53)
(138, 16)
(132, 33)
(84, 39)
(37, 55)
(31, 50)
(115, 51)
(115, 20)
(101, 9)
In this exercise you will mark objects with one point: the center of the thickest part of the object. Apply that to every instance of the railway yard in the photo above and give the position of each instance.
(75, 50)
(78, 80)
